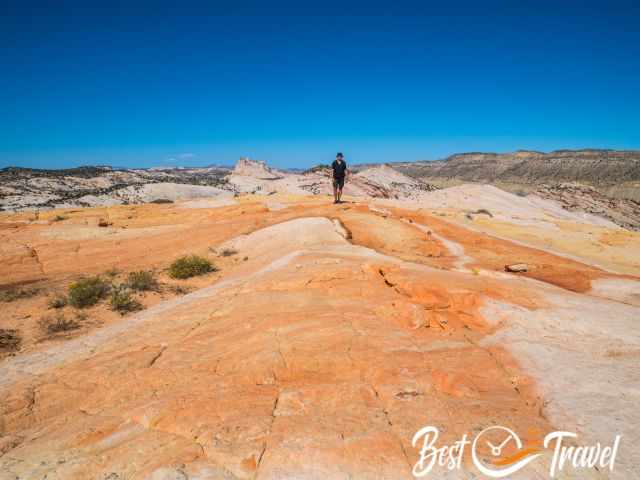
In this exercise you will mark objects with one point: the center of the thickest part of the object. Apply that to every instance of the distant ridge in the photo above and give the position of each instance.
(598, 167)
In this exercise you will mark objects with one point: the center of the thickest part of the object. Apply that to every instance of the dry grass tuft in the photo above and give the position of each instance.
(10, 340)
(179, 289)
(122, 301)
(59, 324)
(142, 281)
(14, 294)
(59, 301)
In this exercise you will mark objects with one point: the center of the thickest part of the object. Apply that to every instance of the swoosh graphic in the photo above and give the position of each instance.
(515, 457)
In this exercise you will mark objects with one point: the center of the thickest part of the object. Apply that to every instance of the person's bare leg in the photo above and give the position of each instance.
(335, 193)
(339, 194)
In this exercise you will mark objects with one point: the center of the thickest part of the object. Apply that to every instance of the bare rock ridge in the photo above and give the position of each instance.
(22, 188)
(600, 182)
(603, 182)
(42, 189)
(584, 198)
(600, 167)
(386, 182)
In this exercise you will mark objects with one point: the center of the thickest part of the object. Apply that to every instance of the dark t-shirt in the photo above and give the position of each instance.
(339, 169)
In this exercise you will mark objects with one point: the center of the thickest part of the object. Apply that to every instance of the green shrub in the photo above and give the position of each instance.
(88, 291)
(10, 340)
(142, 281)
(58, 302)
(122, 301)
(59, 218)
(190, 266)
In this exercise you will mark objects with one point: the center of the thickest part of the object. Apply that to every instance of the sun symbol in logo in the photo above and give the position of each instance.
(506, 466)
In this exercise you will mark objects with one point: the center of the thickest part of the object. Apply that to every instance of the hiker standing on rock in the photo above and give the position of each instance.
(339, 167)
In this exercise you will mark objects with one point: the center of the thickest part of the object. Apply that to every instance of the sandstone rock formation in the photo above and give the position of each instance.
(385, 182)
(328, 337)
(23, 188)
(581, 198)
(256, 169)
(600, 182)
(91, 187)
(516, 268)
(607, 185)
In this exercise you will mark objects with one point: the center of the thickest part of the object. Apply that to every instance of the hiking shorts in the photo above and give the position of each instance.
(338, 182)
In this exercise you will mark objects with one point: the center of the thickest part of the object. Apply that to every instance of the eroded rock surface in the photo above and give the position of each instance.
(581, 198)
(326, 340)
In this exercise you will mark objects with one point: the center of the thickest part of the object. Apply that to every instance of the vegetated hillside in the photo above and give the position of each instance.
(615, 173)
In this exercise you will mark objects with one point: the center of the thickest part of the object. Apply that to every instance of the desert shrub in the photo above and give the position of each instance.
(88, 291)
(161, 200)
(521, 193)
(10, 340)
(58, 324)
(228, 252)
(59, 218)
(17, 294)
(142, 281)
(122, 301)
(59, 301)
(190, 266)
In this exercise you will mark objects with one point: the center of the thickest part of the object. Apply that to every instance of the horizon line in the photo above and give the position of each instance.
(222, 165)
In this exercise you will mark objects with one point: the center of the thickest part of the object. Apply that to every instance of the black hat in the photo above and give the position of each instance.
(339, 154)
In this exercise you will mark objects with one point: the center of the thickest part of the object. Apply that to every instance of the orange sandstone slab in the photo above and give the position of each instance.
(316, 368)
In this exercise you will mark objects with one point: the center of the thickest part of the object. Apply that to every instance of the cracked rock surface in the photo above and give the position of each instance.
(319, 349)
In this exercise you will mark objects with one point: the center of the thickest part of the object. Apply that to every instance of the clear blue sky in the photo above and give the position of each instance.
(159, 85)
